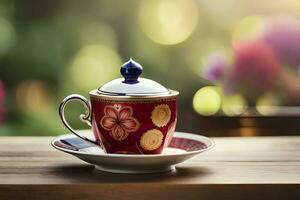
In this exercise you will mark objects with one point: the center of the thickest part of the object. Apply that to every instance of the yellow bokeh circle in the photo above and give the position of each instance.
(93, 66)
(207, 100)
(168, 22)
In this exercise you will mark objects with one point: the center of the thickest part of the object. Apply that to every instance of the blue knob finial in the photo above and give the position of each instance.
(131, 71)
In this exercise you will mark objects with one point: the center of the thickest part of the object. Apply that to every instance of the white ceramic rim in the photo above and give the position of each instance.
(209, 142)
(95, 94)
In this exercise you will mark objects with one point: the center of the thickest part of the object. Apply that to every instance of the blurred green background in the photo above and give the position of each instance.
(52, 48)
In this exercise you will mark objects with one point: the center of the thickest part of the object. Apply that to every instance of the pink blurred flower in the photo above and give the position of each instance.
(2, 97)
(215, 67)
(283, 34)
(255, 69)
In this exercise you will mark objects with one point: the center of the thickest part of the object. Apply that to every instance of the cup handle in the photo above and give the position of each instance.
(86, 117)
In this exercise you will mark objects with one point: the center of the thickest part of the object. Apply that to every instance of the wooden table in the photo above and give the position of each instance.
(237, 168)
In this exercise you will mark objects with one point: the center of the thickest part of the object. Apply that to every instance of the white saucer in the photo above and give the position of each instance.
(182, 147)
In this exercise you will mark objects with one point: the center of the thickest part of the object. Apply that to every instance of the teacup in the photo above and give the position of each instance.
(129, 115)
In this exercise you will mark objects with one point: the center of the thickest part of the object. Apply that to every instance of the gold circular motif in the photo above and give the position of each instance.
(161, 115)
(151, 140)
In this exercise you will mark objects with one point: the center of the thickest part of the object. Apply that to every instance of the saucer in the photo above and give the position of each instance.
(182, 147)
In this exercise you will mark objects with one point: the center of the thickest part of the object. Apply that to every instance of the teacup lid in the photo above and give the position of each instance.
(131, 84)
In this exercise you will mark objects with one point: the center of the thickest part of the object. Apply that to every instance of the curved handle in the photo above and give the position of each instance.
(86, 117)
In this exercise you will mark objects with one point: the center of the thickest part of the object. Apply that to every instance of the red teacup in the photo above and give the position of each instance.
(131, 115)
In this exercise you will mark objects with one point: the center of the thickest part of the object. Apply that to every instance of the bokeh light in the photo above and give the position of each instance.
(168, 22)
(223, 14)
(207, 100)
(233, 105)
(95, 33)
(93, 66)
(267, 104)
(33, 95)
(7, 36)
(247, 28)
(279, 6)
(67, 48)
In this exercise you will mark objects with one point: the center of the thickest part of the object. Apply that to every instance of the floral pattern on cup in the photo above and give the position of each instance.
(151, 140)
(161, 115)
(119, 121)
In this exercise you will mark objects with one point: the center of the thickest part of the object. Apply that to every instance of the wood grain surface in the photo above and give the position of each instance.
(237, 168)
